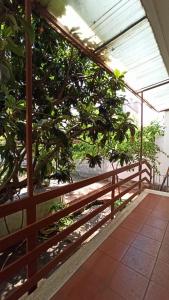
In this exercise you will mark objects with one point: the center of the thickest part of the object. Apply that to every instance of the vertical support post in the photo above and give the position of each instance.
(31, 209)
(151, 177)
(113, 181)
(141, 141)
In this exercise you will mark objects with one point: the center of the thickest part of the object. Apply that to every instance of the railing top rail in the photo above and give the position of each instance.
(10, 208)
(84, 200)
(82, 183)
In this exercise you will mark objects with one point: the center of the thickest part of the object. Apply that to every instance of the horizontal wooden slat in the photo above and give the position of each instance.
(11, 269)
(29, 257)
(10, 208)
(80, 184)
(120, 207)
(22, 234)
(60, 258)
(13, 207)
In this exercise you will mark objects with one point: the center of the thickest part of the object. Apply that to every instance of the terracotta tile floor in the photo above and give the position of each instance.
(132, 263)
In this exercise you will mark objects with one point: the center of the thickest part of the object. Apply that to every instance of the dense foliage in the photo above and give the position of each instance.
(128, 150)
(73, 100)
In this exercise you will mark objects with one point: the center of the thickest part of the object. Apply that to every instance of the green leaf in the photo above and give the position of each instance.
(13, 21)
(28, 29)
(13, 47)
(7, 31)
(117, 73)
(3, 44)
(21, 104)
(4, 72)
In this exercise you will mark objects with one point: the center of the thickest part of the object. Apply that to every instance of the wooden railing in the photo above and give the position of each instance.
(164, 180)
(29, 231)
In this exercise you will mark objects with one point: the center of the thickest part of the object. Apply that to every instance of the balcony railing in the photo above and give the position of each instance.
(30, 257)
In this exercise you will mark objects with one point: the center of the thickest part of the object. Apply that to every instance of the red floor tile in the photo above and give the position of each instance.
(156, 222)
(70, 285)
(114, 248)
(103, 266)
(136, 216)
(143, 210)
(132, 225)
(156, 292)
(92, 260)
(146, 245)
(165, 240)
(152, 232)
(161, 274)
(166, 236)
(107, 294)
(83, 287)
(164, 253)
(129, 284)
(124, 235)
(147, 205)
(164, 215)
(139, 261)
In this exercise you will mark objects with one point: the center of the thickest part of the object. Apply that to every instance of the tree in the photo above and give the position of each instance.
(73, 100)
(128, 150)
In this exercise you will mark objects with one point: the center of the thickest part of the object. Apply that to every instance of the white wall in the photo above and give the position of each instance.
(83, 170)
(163, 143)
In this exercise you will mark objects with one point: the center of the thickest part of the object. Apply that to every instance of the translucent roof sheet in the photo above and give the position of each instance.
(108, 18)
(159, 97)
(132, 48)
(138, 51)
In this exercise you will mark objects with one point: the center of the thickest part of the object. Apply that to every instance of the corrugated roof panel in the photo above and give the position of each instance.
(104, 19)
(138, 51)
(108, 18)
(148, 73)
(95, 22)
(159, 97)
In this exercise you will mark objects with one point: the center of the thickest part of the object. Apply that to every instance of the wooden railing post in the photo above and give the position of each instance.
(140, 169)
(31, 209)
(112, 196)
(151, 177)
(141, 142)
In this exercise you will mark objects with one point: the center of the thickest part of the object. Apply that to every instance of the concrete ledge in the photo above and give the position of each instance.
(160, 193)
(48, 287)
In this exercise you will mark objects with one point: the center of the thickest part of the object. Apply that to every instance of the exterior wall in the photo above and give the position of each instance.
(163, 143)
(150, 115)
(84, 171)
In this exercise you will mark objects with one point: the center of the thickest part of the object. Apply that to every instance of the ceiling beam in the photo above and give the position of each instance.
(153, 86)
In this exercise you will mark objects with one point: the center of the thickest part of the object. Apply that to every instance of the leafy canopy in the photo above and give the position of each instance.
(73, 100)
(125, 152)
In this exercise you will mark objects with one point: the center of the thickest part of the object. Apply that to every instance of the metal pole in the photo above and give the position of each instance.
(31, 210)
(141, 140)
